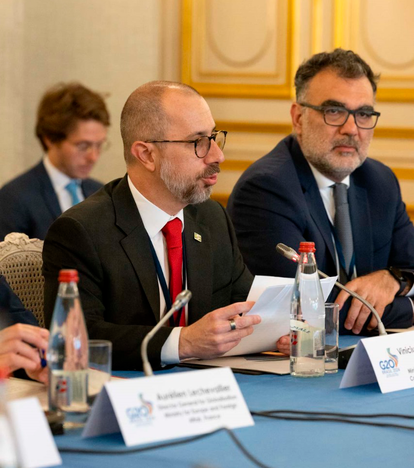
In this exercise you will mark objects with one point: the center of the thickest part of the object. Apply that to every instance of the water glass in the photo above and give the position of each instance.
(331, 337)
(100, 366)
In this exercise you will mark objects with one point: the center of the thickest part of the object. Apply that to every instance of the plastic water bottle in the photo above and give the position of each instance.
(307, 318)
(8, 452)
(67, 354)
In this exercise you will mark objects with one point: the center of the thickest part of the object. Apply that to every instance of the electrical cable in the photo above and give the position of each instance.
(286, 415)
(343, 415)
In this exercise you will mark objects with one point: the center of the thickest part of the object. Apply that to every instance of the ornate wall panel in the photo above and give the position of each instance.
(238, 47)
(382, 32)
(236, 51)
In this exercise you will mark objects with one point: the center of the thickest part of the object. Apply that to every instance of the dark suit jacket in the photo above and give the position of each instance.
(277, 200)
(105, 240)
(12, 311)
(29, 203)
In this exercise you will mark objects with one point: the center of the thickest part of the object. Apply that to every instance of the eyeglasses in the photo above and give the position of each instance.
(202, 144)
(86, 147)
(336, 116)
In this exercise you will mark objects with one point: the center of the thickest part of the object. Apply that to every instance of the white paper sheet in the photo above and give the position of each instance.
(272, 295)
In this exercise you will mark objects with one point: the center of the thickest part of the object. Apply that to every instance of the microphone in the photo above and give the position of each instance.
(181, 301)
(291, 254)
(287, 252)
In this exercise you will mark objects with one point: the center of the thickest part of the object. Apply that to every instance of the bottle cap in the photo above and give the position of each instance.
(307, 247)
(68, 276)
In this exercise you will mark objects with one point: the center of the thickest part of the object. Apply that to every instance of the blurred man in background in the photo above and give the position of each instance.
(71, 126)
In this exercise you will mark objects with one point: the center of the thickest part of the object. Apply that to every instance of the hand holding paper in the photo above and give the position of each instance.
(272, 296)
(212, 336)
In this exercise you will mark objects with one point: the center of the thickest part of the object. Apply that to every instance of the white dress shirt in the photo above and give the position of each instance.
(154, 219)
(325, 186)
(59, 181)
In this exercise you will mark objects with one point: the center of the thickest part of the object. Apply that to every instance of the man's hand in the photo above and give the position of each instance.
(19, 348)
(378, 288)
(283, 344)
(211, 336)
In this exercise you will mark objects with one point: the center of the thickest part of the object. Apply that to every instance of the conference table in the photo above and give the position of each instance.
(276, 443)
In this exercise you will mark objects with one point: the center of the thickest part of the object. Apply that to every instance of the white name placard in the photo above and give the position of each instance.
(388, 360)
(169, 406)
(36, 447)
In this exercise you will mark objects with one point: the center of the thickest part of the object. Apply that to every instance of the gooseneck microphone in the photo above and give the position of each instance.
(292, 255)
(181, 301)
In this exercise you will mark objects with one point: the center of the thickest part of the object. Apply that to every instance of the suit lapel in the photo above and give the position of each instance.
(46, 189)
(313, 198)
(361, 229)
(199, 264)
(136, 244)
(318, 213)
(85, 189)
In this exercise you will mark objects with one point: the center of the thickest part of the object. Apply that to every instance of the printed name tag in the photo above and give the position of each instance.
(169, 406)
(388, 360)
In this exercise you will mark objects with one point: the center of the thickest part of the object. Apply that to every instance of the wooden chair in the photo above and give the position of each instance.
(21, 265)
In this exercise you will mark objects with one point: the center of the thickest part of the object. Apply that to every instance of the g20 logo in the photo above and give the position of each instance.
(137, 413)
(140, 413)
(390, 363)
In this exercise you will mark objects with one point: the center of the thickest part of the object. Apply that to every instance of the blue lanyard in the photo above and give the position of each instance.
(174, 322)
(341, 254)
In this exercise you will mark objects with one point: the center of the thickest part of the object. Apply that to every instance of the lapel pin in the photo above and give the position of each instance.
(197, 237)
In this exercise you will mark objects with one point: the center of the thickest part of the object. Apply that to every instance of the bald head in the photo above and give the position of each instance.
(144, 116)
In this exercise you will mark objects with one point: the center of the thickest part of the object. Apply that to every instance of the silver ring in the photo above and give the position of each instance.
(232, 324)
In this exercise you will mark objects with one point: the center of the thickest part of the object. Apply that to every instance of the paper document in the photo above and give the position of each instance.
(272, 295)
(257, 363)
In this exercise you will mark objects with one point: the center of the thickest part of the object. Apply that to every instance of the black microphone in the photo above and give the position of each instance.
(181, 301)
(291, 254)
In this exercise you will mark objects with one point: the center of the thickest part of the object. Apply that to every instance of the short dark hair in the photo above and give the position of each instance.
(346, 63)
(63, 106)
(144, 117)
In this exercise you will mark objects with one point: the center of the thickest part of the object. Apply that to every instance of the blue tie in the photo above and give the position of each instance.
(72, 188)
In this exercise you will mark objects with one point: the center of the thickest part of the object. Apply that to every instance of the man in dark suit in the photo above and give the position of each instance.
(71, 126)
(117, 241)
(12, 310)
(288, 195)
(20, 337)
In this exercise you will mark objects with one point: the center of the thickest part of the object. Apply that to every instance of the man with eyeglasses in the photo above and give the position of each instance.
(142, 239)
(72, 123)
(319, 185)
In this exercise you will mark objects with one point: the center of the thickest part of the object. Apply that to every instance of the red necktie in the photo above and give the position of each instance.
(173, 237)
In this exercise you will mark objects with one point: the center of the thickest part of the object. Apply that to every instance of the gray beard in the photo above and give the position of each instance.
(180, 188)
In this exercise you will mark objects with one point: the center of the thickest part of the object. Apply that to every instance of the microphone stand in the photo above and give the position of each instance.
(181, 301)
(291, 254)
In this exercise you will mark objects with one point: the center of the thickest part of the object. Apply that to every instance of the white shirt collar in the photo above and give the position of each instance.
(58, 178)
(323, 182)
(154, 218)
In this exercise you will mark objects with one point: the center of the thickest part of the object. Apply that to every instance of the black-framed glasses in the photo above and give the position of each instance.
(202, 144)
(336, 116)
